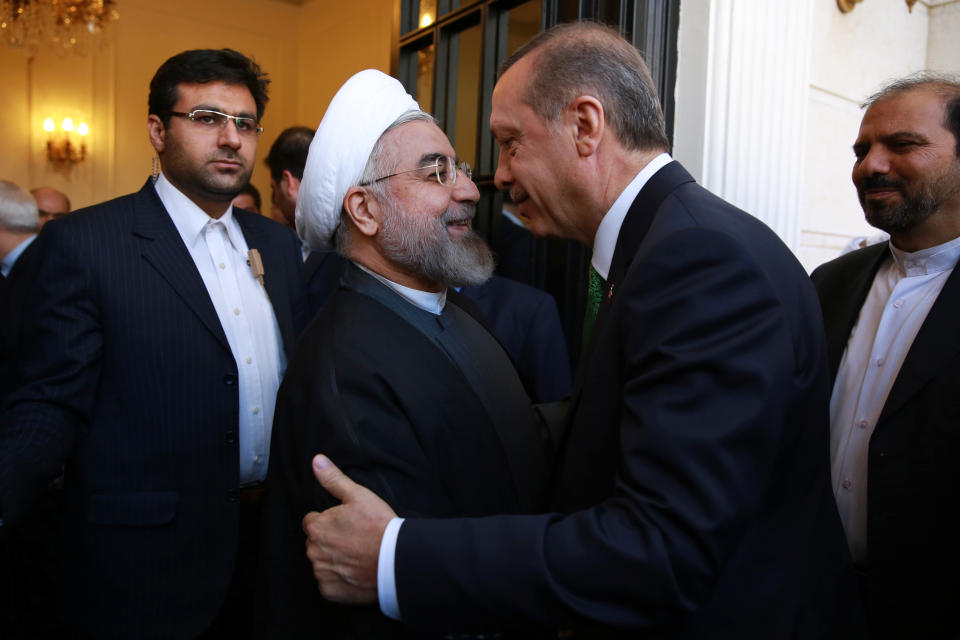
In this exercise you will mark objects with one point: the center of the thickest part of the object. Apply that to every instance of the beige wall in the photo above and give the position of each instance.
(338, 39)
(307, 48)
(850, 56)
(853, 55)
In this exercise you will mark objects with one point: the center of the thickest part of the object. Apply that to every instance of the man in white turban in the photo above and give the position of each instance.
(396, 375)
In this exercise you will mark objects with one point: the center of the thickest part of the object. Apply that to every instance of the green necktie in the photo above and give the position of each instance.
(594, 296)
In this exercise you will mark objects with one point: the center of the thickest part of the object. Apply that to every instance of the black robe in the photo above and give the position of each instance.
(389, 405)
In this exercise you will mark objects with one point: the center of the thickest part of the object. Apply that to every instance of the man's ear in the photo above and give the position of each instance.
(363, 210)
(292, 186)
(586, 118)
(157, 131)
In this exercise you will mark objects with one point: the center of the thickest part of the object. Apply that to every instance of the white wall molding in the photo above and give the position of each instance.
(755, 89)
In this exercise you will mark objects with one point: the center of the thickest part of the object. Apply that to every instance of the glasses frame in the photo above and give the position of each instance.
(458, 166)
(192, 117)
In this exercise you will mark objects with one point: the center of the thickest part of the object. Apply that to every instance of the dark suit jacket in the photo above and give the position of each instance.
(28, 557)
(695, 476)
(913, 559)
(130, 379)
(526, 322)
(321, 273)
(13, 294)
(387, 403)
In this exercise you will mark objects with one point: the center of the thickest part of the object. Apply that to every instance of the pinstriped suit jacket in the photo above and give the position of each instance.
(130, 380)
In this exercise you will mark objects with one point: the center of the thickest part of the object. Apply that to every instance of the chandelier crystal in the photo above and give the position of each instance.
(67, 25)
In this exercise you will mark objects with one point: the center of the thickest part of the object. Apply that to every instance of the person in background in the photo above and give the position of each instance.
(19, 223)
(52, 204)
(286, 160)
(526, 322)
(894, 351)
(248, 198)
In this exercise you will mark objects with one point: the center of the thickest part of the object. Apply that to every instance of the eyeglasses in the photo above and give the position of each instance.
(216, 120)
(445, 169)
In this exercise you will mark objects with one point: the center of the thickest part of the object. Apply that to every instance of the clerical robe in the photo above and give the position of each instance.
(424, 410)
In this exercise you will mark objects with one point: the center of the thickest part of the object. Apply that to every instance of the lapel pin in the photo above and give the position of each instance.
(256, 265)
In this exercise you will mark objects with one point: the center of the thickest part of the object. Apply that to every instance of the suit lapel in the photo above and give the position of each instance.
(634, 229)
(273, 278)
(635, 226)
(842, 308)
(164, 249)
(936, 344)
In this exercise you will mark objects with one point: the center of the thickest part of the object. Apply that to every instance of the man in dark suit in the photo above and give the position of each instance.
(159, 328)
(19, 221)
(395, 374)
(526, 322)
(692, 498)
(27, 559)
(894, 352)
(286, 160)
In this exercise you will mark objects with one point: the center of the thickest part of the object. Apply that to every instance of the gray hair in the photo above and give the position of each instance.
(18, 209)
(379, 164)
(588, 58)
(946, 86)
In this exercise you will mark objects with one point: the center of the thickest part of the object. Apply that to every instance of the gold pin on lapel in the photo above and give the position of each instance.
(610, 292)
(256, 265)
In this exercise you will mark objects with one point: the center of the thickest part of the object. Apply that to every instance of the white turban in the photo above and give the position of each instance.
(363, 108)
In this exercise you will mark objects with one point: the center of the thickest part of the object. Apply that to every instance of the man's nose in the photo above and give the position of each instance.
(503, 179)
(875, 162)
(230, 136)
(464, 190)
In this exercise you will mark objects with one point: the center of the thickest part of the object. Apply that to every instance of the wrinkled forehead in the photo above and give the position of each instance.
(920, 110)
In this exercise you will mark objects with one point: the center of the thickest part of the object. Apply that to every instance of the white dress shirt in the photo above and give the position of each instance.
(430, 301)
(219, 250)
(11, 258)
(605, 241)
(902, 293)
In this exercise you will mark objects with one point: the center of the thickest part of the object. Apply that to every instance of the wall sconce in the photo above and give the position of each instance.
(846, 6)
(64, 149)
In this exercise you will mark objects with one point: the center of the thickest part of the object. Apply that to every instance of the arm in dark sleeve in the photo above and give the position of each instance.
(62, 346)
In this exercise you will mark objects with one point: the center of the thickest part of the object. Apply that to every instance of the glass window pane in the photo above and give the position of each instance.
(523, 23)
(467, 96)
(424, 93)
(428, 13)
(608, 12)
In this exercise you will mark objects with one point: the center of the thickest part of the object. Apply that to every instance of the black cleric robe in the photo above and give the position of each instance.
(424, 410)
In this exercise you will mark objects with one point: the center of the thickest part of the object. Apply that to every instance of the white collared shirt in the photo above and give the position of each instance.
(11, 258)
(605, 241)
(219, 250)
(902, 293)
(426, 300)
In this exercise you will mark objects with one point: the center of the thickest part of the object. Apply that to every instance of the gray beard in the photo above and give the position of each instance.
(423, 246)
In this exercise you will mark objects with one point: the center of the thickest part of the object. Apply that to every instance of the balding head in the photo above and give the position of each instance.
(50, 203)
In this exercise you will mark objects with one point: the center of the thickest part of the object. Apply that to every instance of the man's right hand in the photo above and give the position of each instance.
(343, 542)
